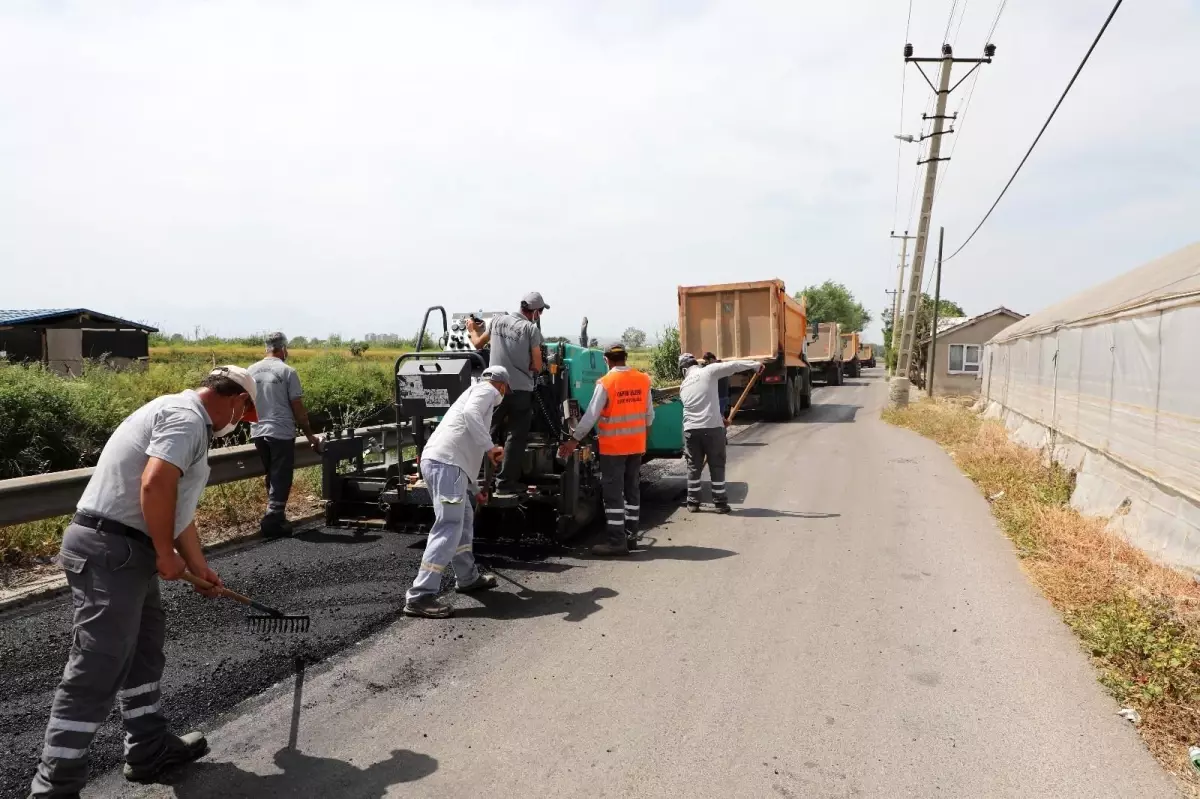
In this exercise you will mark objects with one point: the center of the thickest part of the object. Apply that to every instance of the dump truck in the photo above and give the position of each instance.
(754, 321)
(824, 353)
(561, 497)
(851, 366)
(866, 356)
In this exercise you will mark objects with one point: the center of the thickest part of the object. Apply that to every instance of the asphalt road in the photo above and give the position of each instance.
(858, 627)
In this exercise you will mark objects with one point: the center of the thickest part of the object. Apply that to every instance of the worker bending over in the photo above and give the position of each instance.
(704, 427)
(622, 410)
(134, 523)
(450, 463)
(516, 344)
(279, 408)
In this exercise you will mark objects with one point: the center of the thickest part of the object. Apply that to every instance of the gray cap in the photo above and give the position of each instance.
(495, 373)
(276, 340)
(533, 301)
(686, 360)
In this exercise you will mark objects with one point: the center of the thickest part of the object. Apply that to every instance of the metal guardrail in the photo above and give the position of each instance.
(44, 496)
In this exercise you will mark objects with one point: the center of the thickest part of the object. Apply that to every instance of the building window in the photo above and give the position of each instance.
(964, 359)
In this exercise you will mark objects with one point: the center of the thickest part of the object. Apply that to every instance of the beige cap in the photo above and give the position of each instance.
(240, 376)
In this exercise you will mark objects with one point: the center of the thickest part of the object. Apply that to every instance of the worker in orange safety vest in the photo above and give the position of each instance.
(622, 411)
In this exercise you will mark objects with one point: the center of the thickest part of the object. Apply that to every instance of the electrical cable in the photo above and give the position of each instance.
(900, 144)
(1054, 111)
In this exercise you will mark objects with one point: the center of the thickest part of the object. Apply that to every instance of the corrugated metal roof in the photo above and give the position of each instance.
(13, 317)
(1171, 279)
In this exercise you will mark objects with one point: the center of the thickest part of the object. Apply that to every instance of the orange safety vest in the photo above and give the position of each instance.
(622, 424)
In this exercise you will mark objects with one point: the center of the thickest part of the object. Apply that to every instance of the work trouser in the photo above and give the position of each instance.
(621, 487)
(278, 457)
(510, 427)
(450, 538)
(116, 651)
(701, 446)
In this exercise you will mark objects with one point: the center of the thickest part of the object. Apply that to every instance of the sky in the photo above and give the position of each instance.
(326, 166)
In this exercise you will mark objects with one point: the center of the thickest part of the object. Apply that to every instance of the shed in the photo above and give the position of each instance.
(1107, 381)
(960, 341)
(63, 338)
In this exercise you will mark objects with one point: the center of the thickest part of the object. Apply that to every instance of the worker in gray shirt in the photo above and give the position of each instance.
(704, 426)
(516, 344)
(280, 408)
(135, 523)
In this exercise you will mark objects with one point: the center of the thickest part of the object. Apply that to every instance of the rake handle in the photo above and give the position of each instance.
(221, 590)
(745, 393)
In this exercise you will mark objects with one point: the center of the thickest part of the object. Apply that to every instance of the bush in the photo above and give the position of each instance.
(664, 358)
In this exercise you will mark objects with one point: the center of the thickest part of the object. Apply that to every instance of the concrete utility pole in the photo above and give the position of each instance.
(912, 302)
(937, 298)
(897, 322)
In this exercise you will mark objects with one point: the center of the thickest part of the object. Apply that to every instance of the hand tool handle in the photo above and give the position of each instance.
(221, 590)
(745, 393)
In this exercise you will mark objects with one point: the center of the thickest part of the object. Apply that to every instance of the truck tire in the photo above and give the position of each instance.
(789, 391)
(805, 391)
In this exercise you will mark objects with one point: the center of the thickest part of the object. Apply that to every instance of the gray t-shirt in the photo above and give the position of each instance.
(278, 384)
(174, 428)
(513, 338)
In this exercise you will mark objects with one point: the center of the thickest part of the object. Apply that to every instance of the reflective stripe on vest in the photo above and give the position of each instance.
(622, 425)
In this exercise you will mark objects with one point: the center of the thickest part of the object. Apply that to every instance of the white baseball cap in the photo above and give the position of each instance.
(240, 376)
(497, 373)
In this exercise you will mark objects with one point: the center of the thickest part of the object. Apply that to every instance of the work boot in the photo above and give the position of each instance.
(611, 550)
(176, 751)
(276, 525)
(428, 606)
(722, 507)
(481, 583)
(693, 507)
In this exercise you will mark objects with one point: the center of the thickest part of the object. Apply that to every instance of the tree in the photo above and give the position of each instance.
(664, 358)
(833, 302)
(298, 342)
(946, 310)
(357, 348)
(594, 343)
(633, 338)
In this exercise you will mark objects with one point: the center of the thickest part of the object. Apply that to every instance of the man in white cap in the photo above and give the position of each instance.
(516, 344)
(134, 524)
(279, 409)
(704, 426)
(450, 464)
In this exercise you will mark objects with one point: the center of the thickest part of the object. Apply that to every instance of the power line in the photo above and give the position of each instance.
(1078, 70)
(949, 21)
(900, 129)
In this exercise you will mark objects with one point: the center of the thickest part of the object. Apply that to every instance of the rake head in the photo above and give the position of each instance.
(278, 624)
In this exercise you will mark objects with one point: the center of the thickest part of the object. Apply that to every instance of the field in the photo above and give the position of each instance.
(50, 423)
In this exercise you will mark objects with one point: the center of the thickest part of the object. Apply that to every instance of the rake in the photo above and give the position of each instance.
(274, 621)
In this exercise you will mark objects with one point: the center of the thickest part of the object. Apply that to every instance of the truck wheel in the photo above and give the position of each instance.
(805, 392)
(789, 392)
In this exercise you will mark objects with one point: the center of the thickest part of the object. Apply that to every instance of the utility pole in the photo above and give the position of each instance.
(897, 322)
(937, 298)
(912, 302)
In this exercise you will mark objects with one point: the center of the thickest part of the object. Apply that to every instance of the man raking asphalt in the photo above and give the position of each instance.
(135, 523)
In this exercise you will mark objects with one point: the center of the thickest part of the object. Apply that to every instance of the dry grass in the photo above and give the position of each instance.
(1139, 621)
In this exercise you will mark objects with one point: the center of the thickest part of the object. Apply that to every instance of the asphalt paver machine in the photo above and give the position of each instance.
(561, 497)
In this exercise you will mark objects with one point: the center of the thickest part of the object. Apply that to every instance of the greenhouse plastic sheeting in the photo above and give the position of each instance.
(1121, 378)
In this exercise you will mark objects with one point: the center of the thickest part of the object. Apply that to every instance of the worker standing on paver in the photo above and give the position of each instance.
(622, 409)
(450, 465)
(704, 426)
(135, 523)
(516, 344)
(280, 407)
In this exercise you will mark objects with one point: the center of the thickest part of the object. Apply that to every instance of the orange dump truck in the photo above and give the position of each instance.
(851, 365)
(755, 321)
(866, 356)
(824, 353)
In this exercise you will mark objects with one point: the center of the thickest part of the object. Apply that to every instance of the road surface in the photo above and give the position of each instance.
(857, 628)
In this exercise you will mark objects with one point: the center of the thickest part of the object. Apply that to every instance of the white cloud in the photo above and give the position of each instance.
(326, 166)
